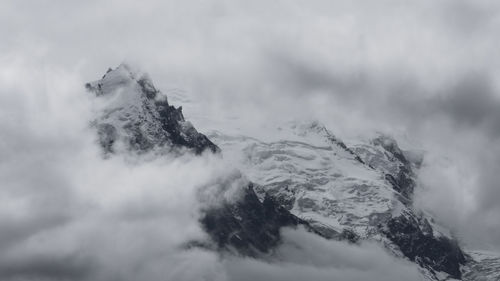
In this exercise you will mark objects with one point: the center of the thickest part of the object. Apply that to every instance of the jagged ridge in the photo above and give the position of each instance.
(138, 116)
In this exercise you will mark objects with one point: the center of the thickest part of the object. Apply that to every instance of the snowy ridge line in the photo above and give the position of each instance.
(336, 192)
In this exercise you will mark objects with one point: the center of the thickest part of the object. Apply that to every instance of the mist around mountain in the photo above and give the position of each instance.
(284, 140)
(190, 206)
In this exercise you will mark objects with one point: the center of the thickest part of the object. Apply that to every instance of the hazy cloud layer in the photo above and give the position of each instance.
(427, 70)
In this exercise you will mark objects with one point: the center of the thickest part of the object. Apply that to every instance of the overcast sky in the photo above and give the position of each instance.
(427, 70)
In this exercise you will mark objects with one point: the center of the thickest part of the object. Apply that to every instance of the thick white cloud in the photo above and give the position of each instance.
(305, 256)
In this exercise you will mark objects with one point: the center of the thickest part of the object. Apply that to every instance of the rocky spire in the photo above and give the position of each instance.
(134, 115)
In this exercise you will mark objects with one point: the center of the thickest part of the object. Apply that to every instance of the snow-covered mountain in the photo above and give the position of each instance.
(303, 175)
(134, 115)
(364, 190)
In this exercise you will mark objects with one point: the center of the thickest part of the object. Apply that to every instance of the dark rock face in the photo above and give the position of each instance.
(403, 179)
(411, 231)
(170, 118)
(249, 226)
(417, 242)
(412, 234)
(403, 183)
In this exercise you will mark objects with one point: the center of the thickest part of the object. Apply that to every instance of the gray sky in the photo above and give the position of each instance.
(428, 70)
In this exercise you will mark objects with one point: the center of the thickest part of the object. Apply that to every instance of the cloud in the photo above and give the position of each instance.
(473, 104)
(426, 69)
(307, 256)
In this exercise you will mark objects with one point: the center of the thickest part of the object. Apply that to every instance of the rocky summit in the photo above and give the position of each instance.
(135, 116)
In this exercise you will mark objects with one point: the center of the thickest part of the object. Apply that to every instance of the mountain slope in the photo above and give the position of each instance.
(321, 180)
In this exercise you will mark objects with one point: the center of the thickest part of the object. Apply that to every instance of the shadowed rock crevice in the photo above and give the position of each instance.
(248, 226)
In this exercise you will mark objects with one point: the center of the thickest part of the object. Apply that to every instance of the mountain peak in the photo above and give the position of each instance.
(133, 115)
(121, 77)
